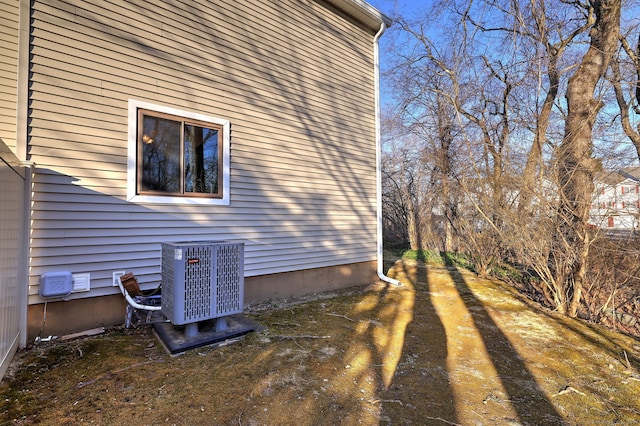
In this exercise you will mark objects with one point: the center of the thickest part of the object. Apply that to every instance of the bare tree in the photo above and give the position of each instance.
(548, 33)
(403, 179)
(632, 82)
(575, 164)
(472, 93)
(506, 107)
(443, 174)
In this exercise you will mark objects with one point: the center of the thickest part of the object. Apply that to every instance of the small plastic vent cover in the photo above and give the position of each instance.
(56, 284)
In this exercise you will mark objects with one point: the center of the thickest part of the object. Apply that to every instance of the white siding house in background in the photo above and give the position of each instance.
(286, 93)
(616, 202)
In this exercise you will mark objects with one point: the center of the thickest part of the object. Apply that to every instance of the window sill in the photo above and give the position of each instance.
(157, 199)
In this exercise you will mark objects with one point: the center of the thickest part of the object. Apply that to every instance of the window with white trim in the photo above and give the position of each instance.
(177, 156)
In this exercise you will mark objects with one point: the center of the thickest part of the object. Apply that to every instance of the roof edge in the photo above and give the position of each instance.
(363, 12)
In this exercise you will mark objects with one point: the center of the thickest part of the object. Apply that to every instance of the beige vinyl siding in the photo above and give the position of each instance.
(296, 82)
(9, 24)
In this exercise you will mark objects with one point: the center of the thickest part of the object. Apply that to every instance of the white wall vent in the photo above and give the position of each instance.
(202, 280)
(81, 282)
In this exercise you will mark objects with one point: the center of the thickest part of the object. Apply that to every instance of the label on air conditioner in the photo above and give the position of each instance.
(177, 254)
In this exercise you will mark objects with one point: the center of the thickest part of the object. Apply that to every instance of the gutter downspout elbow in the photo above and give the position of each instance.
(376, 59)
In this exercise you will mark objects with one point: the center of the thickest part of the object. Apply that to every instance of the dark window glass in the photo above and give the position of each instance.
(201, 159)
(178, 156)
(160, 155)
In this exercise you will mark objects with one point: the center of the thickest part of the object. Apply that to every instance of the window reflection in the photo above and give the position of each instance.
(201, 159)
(177, 157)
(160, 155)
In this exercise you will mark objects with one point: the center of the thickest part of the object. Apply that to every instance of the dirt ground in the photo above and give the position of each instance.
(445, 348)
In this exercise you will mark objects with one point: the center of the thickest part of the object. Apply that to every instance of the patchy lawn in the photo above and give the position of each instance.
(444, 348)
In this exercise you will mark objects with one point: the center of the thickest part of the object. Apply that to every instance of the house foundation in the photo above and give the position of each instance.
(62, 318)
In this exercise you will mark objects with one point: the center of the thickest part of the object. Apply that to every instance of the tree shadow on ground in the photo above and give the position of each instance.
(523, 392)
(421, 387)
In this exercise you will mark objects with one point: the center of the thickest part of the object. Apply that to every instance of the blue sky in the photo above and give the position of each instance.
(388, 7)
(414, 9)
(393, 8)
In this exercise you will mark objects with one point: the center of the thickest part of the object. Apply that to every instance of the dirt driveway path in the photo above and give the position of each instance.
(445, 348)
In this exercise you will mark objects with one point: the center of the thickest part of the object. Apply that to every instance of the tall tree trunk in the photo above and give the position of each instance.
(532, 172)
(554, 51)
(413, 221)
(576, 166)
(444, 170)
(413, 227)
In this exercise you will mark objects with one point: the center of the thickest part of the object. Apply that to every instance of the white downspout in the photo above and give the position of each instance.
(376, 66)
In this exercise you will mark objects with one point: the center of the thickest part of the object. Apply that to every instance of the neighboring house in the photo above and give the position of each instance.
(616, 202)
(152, 121)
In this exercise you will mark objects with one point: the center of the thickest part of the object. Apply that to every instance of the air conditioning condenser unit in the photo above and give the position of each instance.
(201, 281)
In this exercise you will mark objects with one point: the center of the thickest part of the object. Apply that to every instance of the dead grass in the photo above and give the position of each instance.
(444, 348)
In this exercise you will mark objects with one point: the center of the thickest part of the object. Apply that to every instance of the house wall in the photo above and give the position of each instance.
(9, 22)
(296, 80)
